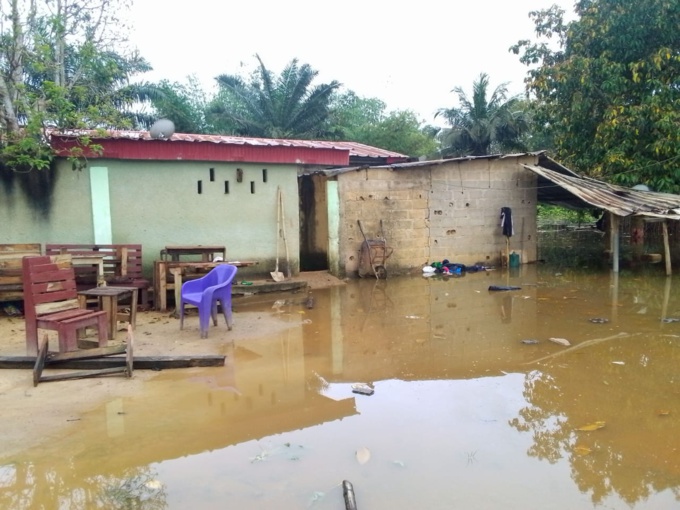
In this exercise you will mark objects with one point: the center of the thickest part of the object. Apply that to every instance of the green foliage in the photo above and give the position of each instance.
(556, 214)
(364, 120)
(58, 71)
(609, 94)
(266, 105)
(185, 104)
(481, 125)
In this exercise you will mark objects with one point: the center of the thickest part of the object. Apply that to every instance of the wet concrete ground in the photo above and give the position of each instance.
(465, 414)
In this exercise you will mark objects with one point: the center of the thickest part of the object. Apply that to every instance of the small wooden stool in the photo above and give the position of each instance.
(107, 298)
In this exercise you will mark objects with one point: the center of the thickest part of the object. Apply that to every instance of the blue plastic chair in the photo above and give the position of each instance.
(205, 292)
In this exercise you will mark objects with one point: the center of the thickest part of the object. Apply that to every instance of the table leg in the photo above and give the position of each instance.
(177, 273)
(132, 316)
(160, 287)
(110, 305)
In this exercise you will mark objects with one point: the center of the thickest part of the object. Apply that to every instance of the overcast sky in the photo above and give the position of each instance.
(409, 54)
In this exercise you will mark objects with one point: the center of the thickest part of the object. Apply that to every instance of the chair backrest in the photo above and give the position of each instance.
(221, 274)
(49, 285)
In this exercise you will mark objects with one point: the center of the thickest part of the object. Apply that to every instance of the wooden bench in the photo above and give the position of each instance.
(122, 266)
(11, 281)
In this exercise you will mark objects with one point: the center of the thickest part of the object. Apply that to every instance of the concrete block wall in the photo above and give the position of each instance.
(439, 211)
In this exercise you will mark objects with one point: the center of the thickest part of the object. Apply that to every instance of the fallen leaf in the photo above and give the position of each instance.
(663, 412)
(618, 362)
(363, 455)
(582, 450)
(592, 426)
(560, 341)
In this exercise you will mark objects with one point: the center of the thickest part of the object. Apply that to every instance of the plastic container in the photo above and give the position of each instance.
(514, 259)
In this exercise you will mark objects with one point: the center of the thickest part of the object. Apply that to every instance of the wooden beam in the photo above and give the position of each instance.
(140, 362)
(83, 374)
(58, 357)
(615, 243)
(666, 248)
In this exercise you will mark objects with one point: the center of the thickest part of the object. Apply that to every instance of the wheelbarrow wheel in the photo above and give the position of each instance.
(381, 272)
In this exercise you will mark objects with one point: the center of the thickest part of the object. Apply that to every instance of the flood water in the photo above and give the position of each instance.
(464, 414)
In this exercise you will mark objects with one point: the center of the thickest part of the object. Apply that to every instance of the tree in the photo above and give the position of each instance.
(284, 106)
(59, 69)
(365, 120)
(608, 88)
(483, 124)
(185, 104)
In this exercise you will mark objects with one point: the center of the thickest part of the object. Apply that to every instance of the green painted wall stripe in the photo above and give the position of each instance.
(333, 200)
(101, 204)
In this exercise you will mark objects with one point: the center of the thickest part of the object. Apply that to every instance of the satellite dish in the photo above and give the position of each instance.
(162, 129)
(641, 187)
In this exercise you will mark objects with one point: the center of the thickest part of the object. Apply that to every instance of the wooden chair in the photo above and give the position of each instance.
(51, 302)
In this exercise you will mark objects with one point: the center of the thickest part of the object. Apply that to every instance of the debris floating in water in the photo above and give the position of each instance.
(503, 287)
(363, 455)
(560, 341)
(362, 389)
(530, 341)
(599, 320)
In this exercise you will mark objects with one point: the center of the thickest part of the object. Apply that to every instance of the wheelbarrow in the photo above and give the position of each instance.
(374, 255)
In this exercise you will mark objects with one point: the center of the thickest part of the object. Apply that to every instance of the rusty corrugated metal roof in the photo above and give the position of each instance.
(331, 172)
(354, 148)
(615, 199)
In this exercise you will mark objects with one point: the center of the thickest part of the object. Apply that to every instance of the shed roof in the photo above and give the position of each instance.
(574, 191)
(558, 185)
(196, 147)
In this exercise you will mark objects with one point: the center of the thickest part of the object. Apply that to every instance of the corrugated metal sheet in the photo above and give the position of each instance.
(615, 199)
(331, 172)
(354, 148)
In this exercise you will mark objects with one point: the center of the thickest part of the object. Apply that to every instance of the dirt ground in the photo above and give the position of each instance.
(32, 414)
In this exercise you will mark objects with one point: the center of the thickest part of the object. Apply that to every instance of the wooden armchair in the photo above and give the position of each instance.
(51, 302)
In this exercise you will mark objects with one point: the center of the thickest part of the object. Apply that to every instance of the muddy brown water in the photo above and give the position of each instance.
(464, 414)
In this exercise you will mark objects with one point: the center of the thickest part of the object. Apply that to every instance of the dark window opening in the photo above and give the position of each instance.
(252, 186)
(264, 175)
(226, 187)
(212, 175)
(200, 187)
(239, 175)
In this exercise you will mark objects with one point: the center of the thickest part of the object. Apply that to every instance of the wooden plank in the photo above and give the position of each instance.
(84, 374)
(56, 358)
(128, 355)
(140, 362)
(59, 306)
(40, 360)
(30, 247)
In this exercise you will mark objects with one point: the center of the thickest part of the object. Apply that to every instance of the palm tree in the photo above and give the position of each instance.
(480, 126)
(286, 106)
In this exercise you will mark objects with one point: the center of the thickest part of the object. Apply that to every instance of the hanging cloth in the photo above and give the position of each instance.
(506, 222)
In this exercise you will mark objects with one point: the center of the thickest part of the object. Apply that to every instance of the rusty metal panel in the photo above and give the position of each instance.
(184, 146)
(615, 199)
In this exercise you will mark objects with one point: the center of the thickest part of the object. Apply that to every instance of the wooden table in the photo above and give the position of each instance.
(163, 268)
(107, 298)
(90, 260)
(206, 252)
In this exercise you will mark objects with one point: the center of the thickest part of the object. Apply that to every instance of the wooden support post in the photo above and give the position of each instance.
(666, 299)
(666, 248)
(614, 239)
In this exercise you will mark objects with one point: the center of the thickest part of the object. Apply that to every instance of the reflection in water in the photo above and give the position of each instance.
(464, 415)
